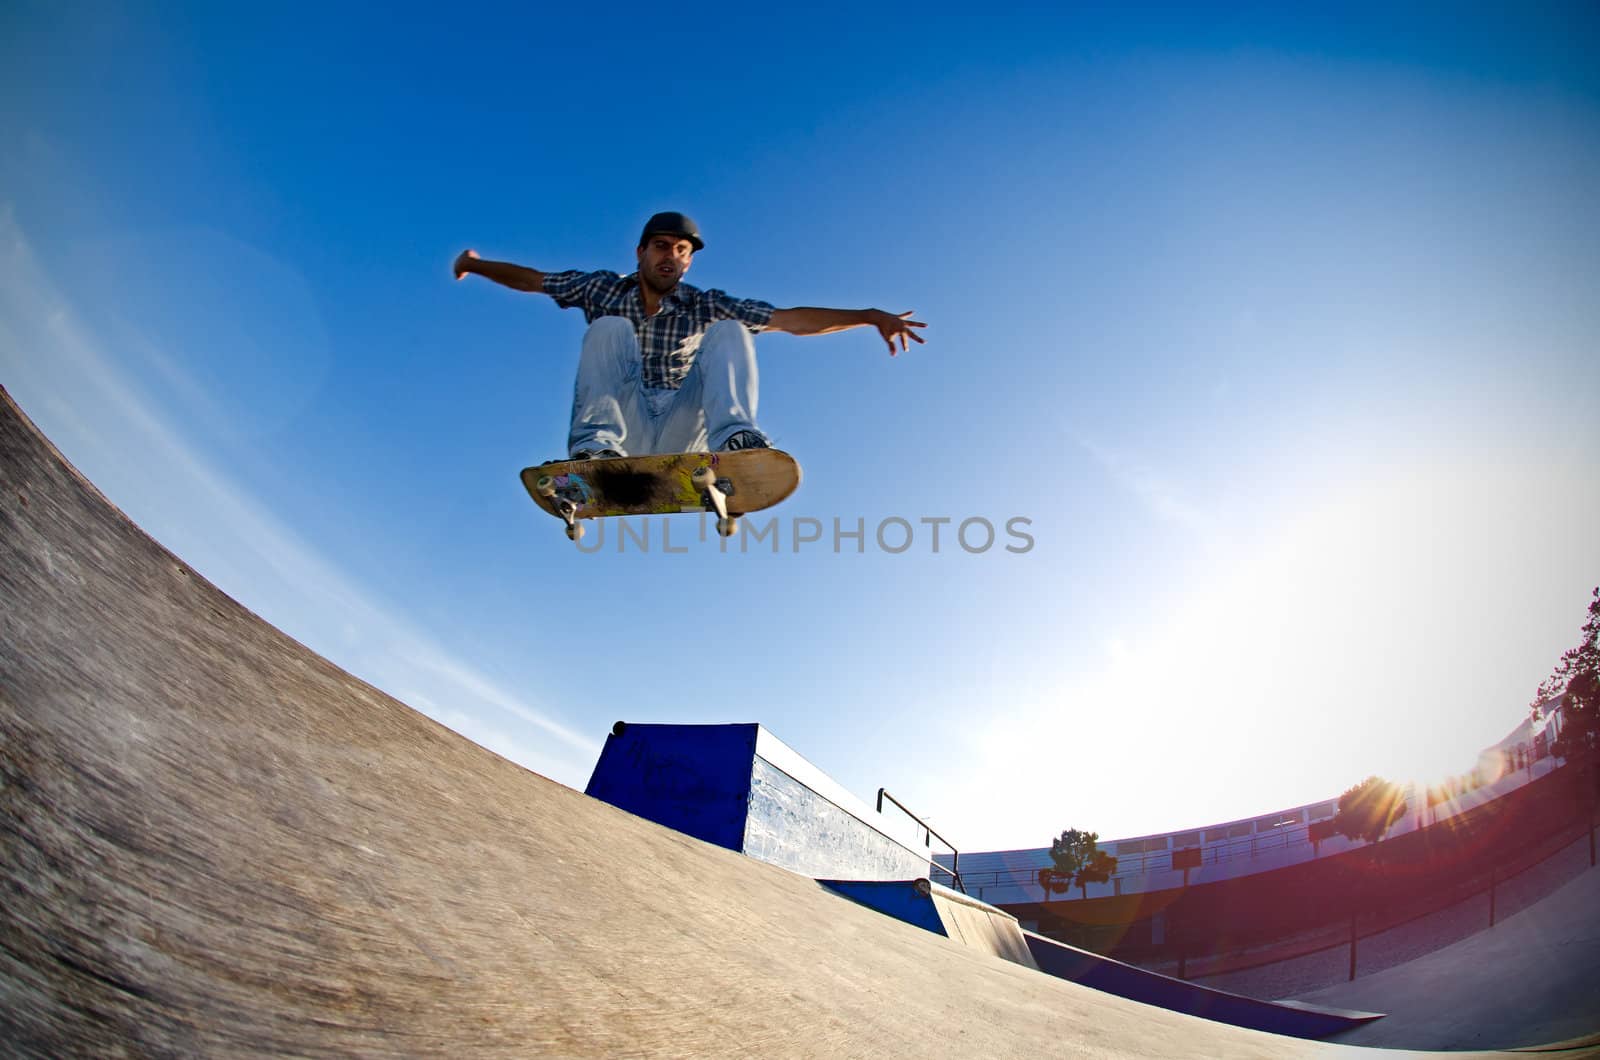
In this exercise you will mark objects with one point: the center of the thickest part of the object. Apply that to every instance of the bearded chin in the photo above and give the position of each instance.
(658, 284)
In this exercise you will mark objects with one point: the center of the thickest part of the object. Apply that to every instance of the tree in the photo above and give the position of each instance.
(1078, 860)
(1367, 810)
(1575, 685)
(1073, 850)
(1099, 869)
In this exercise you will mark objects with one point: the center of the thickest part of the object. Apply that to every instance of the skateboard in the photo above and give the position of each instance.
(730, 484)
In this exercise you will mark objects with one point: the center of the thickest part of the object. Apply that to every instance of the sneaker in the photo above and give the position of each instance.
(590, 454)
(745, 440)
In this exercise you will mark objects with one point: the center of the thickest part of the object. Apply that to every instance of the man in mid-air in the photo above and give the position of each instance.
(667, 367)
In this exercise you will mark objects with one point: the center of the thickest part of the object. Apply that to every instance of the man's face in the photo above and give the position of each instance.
(663, 260)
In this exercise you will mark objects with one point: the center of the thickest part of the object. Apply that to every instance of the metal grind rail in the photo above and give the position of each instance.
(954, 871)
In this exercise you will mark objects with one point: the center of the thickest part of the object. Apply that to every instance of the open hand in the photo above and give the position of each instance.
(896, 330)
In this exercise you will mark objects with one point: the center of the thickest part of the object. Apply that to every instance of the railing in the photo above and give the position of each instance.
(1130, 865)
(954, 871)
(1530, 762)
(1221, 850)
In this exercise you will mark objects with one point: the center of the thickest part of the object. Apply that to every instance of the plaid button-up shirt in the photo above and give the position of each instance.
(669, 340)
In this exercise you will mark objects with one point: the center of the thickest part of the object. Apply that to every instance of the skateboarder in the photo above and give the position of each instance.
(666, 367)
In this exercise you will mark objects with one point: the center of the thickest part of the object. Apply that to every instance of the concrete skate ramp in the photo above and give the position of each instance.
(1497, 987)
(931, 907)
(216, 843)
(982, 927)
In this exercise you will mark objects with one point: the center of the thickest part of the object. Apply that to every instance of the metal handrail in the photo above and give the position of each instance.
(955, 862)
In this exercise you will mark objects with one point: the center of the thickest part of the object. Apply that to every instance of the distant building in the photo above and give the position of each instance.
(1260, 844)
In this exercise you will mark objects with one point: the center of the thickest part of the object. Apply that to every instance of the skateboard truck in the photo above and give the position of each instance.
(546, 487)
(704, 479)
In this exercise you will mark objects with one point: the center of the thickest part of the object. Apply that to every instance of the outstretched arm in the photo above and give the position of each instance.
(809, 320)
(516, 277)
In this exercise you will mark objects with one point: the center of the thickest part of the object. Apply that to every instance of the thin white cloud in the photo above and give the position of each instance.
(55, 368)
(1162, 497)
(504, 743)
(455, 675)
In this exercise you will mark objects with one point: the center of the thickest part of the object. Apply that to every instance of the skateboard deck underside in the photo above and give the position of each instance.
(751, 479)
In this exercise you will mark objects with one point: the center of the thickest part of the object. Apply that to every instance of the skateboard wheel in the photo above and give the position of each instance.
(703, 477)
(545, 487)
(728, 527)
(575, 531)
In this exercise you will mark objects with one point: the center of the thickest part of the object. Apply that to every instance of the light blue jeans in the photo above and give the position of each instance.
(613, 409)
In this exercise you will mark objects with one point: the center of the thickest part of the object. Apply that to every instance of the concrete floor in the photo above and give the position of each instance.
(1532, 979)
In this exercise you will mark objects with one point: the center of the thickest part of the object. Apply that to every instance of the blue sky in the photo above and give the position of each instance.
(1279, 327)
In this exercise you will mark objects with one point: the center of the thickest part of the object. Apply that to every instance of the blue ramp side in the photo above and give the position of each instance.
(1296, 1020)
(924, 904)
(983, 927)
(692, 778)
(898, 898)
